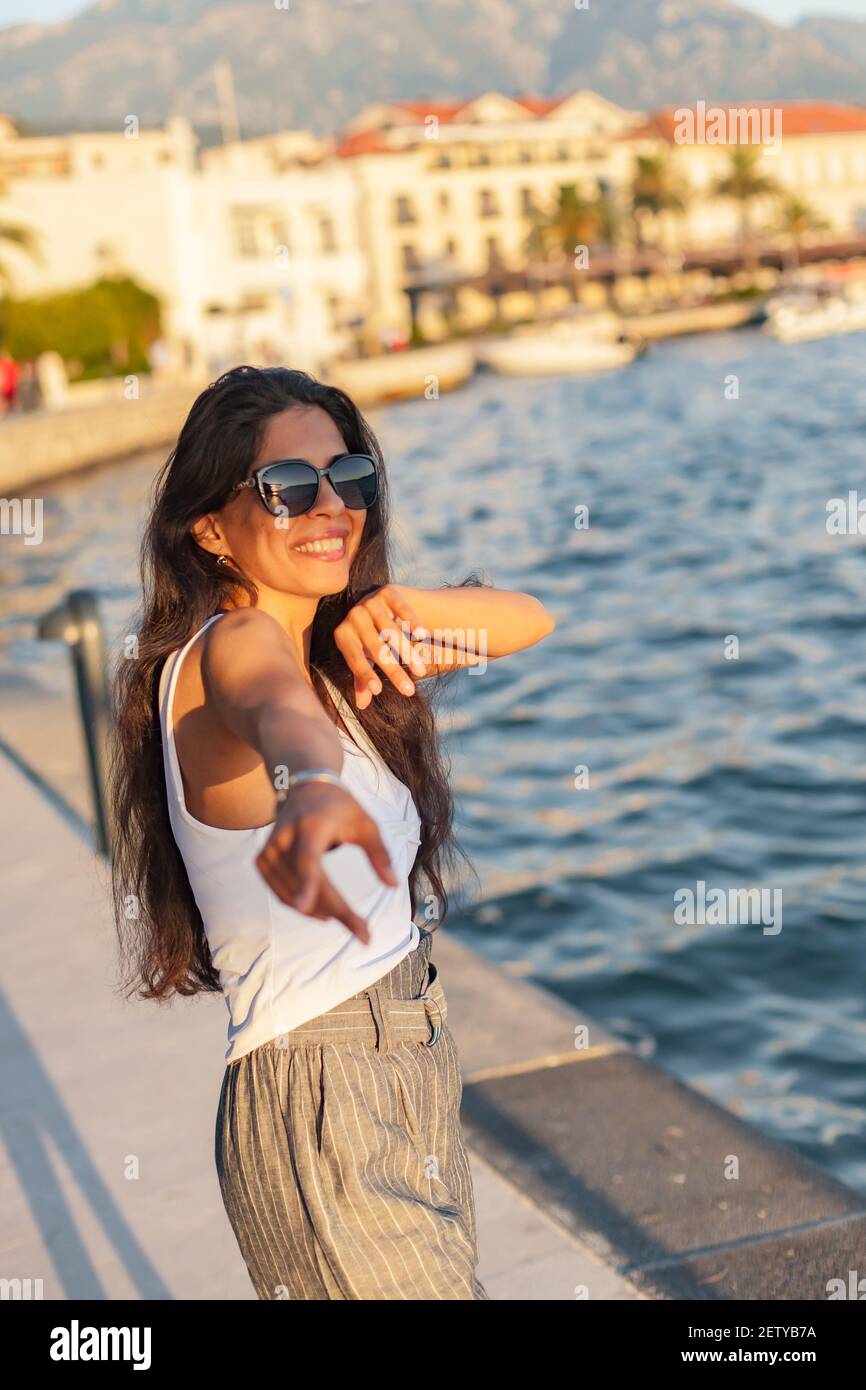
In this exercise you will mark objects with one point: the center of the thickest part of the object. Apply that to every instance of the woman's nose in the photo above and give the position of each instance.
(329, 500)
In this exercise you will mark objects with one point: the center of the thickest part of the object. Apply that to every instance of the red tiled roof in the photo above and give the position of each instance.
(365, 142)
(374, 141)
(446, 111)
(442, 110)
(798, 118)
(540, 106)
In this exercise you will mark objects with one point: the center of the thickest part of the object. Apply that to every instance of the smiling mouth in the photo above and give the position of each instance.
(332, 548)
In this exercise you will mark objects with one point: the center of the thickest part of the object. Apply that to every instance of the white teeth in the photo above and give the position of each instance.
(321, 547)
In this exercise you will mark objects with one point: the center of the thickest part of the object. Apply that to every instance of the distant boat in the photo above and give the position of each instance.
(566, 347)
(412, 372)
(797, 315)
(694, 318)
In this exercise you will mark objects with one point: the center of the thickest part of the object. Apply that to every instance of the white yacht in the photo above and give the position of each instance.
(567, 346)
(816, 312)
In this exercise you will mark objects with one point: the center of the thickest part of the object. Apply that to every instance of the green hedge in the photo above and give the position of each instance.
(104, 329)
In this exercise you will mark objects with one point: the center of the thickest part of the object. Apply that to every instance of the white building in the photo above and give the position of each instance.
(289, 248)
(253, 253)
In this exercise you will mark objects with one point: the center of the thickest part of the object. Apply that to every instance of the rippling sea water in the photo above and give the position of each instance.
(707, 520)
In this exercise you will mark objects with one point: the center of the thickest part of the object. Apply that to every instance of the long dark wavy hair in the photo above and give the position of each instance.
(163, 946)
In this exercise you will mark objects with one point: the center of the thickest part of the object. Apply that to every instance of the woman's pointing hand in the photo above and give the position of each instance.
(317, 817)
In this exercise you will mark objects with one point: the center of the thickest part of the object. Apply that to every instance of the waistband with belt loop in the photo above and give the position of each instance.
(377, 1019)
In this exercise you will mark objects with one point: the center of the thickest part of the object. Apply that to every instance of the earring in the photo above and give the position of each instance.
(222, 559)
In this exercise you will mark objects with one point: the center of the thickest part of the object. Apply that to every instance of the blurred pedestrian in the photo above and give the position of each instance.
(9, 375)
(53, 380)
(29, 394)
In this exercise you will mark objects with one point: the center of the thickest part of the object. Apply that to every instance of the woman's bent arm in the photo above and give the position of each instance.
(462, 625)
(510, 621)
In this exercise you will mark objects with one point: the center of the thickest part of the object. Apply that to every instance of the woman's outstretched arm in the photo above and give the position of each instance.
(257, 688)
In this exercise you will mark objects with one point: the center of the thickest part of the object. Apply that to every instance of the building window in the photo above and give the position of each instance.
(487, 203)
(527, 202)
(403, 209)
(443, 161)
(563, 152)
(246, 239)
(450, 249)
(105, 253)
(410, 257)
(334, 312)
(444, 201)
(525, 156)
(258, 232)
(494, 255)
(327, 235)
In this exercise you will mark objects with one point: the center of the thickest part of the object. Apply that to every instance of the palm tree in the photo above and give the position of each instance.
(23, 238)
(574, 221)
(797, 219)
(12, 235)
(656, 188)
(744, 183)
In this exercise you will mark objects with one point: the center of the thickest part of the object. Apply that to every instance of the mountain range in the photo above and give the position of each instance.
(314, 63)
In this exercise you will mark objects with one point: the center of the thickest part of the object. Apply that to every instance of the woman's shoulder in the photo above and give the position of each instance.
(248, 645)
(245, 619)
(240, 626)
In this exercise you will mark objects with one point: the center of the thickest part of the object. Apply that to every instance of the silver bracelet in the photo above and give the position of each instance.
(309, 774)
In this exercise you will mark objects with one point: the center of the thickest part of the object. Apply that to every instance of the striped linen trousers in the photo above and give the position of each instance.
(340, 1157)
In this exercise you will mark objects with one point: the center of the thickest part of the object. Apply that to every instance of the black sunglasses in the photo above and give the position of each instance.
(290, 487)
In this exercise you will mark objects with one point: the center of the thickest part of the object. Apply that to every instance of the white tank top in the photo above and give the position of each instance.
(277, 967)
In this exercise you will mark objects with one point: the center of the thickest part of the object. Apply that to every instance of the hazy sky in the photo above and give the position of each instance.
(788, 11)
(18, 11)
(783, 11)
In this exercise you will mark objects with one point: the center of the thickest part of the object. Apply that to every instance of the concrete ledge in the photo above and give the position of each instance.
(90, 1082)
(504, 1025)
(594, 1167)
(49, 443)
(633, 1162)
(788, 1266)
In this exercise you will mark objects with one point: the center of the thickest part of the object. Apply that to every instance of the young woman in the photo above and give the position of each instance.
(279, 796)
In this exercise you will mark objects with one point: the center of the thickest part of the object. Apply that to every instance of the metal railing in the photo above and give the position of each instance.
(77, 622)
